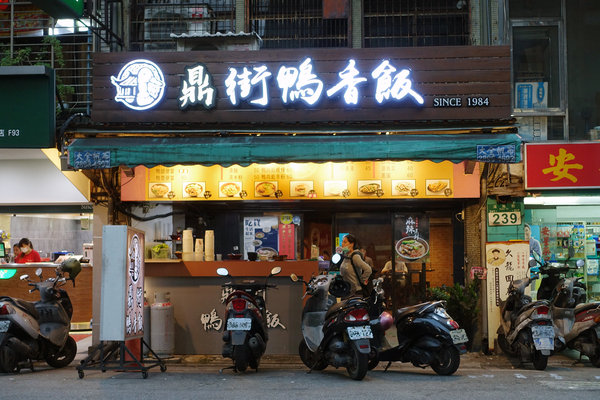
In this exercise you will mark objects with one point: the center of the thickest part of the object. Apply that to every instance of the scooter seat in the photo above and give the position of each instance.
(334, 308)
(584, 307)
(26, 306)
(417, 308)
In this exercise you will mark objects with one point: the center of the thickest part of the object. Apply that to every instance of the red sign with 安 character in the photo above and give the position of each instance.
(563, 165)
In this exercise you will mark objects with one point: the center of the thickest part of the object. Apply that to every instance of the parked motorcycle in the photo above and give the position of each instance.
(334, 333)
(39, 330)
(245, 336)
(526, 328)
(427, 335)
(577, 322)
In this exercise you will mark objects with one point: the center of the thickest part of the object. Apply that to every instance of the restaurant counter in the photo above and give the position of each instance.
(80, 295)
(197, 297)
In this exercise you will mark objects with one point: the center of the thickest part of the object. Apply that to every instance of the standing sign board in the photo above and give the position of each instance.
(506, 261)
(411, 237)
(122, 302)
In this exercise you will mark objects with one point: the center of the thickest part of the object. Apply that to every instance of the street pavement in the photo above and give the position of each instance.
(480, 376)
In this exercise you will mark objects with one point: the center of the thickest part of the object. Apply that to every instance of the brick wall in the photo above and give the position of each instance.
(441, 250)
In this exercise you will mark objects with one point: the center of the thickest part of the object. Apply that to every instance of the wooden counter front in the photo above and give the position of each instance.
(80, 295)
(180, 268)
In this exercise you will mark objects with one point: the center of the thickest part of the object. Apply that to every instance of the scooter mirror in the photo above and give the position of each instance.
(222, 271)
(580, 263)
(38, 272)
(24, 277)
(294, 277)
(275, 270)
(532, 263)
(336, 259)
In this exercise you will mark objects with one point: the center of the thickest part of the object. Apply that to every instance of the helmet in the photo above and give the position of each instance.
(386, 320)
(72, 267)
(339, 287)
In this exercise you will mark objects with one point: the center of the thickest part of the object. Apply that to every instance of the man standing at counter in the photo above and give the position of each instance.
(28, 254)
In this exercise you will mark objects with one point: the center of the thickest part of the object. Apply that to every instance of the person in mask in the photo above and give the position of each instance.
(354, 269)
(28, 254)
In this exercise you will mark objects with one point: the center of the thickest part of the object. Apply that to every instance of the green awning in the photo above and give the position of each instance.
(94, 153)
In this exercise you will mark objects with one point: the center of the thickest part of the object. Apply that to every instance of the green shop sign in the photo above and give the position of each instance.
(27, 107)
(7, 273)
(61, 8)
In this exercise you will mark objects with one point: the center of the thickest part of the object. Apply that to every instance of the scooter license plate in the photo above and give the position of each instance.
(239, 324)
(4, 326)
(459, 336)
(359, 332)
(543, 337)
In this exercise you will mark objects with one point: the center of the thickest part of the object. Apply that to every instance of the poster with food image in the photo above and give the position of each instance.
(193, 189)
(229, 189)
(300, 188)
(411, 237)
(368, 187)
(334, 188)
(436, 187)
(402, 187)
(265, 188)
(261, 235)
(158, 190)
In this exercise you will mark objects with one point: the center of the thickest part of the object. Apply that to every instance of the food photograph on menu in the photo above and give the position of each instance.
(334, 188)
(265, 188)
(158, 190)
(193, 189)
(229, 189)
(436, 187)
(300, 188)
(402, 187)
(368, 187)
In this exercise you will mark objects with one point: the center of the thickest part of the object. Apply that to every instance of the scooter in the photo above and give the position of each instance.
(39, 330)
(427, 335)
(245, 336)
(577, 322)
(526, 327)
(334, 333)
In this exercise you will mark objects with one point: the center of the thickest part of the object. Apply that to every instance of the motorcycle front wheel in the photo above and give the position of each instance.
(309, 358)
(359, 364)
(241, 355)
(63, 357)
(447, 362)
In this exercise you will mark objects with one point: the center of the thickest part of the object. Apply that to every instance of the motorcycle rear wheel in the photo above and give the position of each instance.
(540, 361)
(447, 362)
(309, 358)
(8, 360)
(360, 364)
(65, 356)
(241, 355)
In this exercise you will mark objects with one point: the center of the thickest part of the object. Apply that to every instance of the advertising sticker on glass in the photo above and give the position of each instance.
(411, 237)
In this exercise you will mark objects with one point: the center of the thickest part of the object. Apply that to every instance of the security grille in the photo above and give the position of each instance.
(412, 23)
(32, 36)
(296, 24)
(153, 21)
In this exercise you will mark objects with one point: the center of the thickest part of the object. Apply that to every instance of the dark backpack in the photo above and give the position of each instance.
(368, 288)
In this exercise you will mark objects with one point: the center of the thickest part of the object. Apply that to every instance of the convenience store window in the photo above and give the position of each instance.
(564, 229)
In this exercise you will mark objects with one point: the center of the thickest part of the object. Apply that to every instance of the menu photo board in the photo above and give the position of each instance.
(365, 180)
(506, 262)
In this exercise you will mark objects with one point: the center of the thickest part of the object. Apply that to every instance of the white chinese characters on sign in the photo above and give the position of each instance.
(197, 88)
(349, 81)
(246, 81)
(395, 87)
(299, 84)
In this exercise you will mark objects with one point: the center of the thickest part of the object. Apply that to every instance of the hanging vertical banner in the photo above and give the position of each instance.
(122, 300)
(506, 261)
